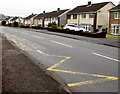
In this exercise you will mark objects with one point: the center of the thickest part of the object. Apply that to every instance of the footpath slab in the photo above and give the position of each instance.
(20, 74)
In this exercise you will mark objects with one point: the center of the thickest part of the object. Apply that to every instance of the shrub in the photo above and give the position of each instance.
(3, 23)
(52, 25)
(15, 24)
(24, 26)
(88, 34)
(9, 24)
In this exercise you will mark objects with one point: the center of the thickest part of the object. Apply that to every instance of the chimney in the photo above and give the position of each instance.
(43, 11)
(58, 9)
(89, 2)
(118, 2)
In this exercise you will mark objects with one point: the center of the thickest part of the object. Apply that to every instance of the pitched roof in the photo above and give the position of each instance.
(30, 16)
(116, 8)
(14, 18)
(39, 16)
(51, 14)
(88, 8)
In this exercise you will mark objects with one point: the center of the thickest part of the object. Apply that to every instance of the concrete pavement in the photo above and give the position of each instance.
(19, 74)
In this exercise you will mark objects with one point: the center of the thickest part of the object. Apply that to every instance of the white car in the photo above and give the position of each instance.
(74, 27)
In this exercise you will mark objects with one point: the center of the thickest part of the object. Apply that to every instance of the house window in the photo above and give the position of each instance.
(68, 16)
(83, 16)
(116, 30)
(117, 15)
(46, 19)
(91, 15)
(86, 26)
(53, 19)
(74, 16)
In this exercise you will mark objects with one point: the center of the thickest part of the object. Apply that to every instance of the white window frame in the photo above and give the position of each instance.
(86, 26)
(82, 16)
(114, 29)
(92, 16)
(117, 15)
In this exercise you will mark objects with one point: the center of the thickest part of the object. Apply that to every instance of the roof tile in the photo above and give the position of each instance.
(88, 8)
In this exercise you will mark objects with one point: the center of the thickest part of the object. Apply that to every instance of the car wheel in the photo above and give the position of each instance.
(67, 29)
(81, 30)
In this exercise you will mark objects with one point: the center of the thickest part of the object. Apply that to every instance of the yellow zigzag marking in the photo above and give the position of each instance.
(106, 78)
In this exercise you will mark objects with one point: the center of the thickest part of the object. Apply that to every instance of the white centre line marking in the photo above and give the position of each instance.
(106, 57)
(25, 33)
(61, 44)
(38, 37)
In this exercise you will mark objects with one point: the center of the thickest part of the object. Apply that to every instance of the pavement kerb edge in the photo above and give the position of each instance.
(37, 62)
(73, 38)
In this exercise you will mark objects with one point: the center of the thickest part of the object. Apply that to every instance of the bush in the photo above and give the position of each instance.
(96, 30)
(36, 27)
(15, 24)
(25, 26)
(9, 24)
(88, 34)
(3, 23)
(52, 25)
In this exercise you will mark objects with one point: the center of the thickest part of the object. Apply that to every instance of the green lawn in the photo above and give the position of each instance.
(112, 36)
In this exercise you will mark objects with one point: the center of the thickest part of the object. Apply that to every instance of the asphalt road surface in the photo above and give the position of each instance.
(83, 66)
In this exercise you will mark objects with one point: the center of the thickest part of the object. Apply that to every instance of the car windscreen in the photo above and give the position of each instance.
(74, 26)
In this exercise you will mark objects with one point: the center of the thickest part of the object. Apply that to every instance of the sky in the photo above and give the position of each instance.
(24, 8)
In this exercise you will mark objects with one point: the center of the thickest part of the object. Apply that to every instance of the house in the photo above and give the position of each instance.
(114, 20)
(29, 20)
(91, 16)
(59, 17)
(20, 20)
(8, 20)
(13, 19)
(39, 20)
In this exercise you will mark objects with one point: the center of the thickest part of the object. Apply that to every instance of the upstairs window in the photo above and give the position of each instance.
(74, 16)
(68, 16)
(91, 15)
(117, 15)
(83, 16)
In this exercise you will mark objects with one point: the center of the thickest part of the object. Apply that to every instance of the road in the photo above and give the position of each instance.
(83, 66)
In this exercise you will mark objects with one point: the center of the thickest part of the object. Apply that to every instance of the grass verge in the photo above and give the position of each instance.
(112, 36)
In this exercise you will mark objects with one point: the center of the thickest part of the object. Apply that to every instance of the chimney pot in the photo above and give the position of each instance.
(43, 11)
(58, 9)
(89, 2)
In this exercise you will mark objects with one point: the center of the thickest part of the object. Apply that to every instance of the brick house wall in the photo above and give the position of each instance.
(112, 21)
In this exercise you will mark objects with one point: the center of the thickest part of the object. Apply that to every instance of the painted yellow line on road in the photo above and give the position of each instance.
(87, 82)
(64, 58)
(105, 78)
(94, 75)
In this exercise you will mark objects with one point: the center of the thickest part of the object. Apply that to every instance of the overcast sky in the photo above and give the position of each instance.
(26, 7)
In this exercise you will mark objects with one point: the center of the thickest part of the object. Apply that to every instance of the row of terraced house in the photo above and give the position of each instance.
(98, 16)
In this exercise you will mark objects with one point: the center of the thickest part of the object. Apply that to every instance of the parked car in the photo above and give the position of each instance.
(73, 27)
